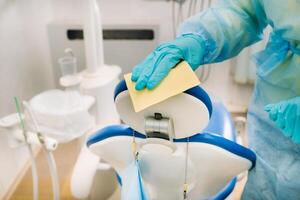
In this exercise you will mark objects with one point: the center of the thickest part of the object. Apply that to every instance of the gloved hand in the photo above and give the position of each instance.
(286, 115)
(157, 65)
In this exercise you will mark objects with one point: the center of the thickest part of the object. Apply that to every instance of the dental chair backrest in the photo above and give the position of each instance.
(213, 160)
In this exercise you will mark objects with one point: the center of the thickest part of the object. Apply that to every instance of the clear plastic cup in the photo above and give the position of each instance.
(68, 65)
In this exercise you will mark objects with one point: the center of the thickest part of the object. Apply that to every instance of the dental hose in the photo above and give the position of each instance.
(49, 155)
(34, 174)
(53, 173)
(35, 180)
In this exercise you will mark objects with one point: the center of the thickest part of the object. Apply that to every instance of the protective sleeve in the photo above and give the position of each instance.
(227, 27)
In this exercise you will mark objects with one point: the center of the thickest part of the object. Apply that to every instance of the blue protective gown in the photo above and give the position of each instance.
(227, 28)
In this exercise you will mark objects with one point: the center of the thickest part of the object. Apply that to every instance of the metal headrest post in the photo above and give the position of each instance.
(158, 126)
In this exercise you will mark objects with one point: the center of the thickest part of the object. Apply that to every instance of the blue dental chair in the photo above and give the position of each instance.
(163, 133)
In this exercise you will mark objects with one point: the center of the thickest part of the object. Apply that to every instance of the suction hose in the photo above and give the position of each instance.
(31, 154)
(49, 155)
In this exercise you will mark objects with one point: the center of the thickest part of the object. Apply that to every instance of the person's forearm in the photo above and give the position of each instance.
(227, 27)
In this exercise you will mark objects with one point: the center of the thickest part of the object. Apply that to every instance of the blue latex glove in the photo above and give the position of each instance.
(150, 72)
(286, 115)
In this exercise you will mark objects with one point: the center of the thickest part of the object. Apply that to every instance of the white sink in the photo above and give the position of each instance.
(62, 115)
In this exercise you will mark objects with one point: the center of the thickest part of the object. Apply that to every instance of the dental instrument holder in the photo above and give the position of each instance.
(12, 124)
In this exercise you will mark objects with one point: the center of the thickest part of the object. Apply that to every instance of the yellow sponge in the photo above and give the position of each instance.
(180, 78)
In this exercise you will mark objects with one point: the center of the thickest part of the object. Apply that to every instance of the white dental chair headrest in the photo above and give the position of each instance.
(190, 111)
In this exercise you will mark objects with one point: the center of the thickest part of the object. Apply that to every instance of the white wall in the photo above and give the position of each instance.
(25, 67)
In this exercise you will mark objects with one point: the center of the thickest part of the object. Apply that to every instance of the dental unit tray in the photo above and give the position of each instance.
(162, 133)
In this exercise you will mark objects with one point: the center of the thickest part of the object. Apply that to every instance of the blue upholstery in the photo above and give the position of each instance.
(220, 122)
(223, 194)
